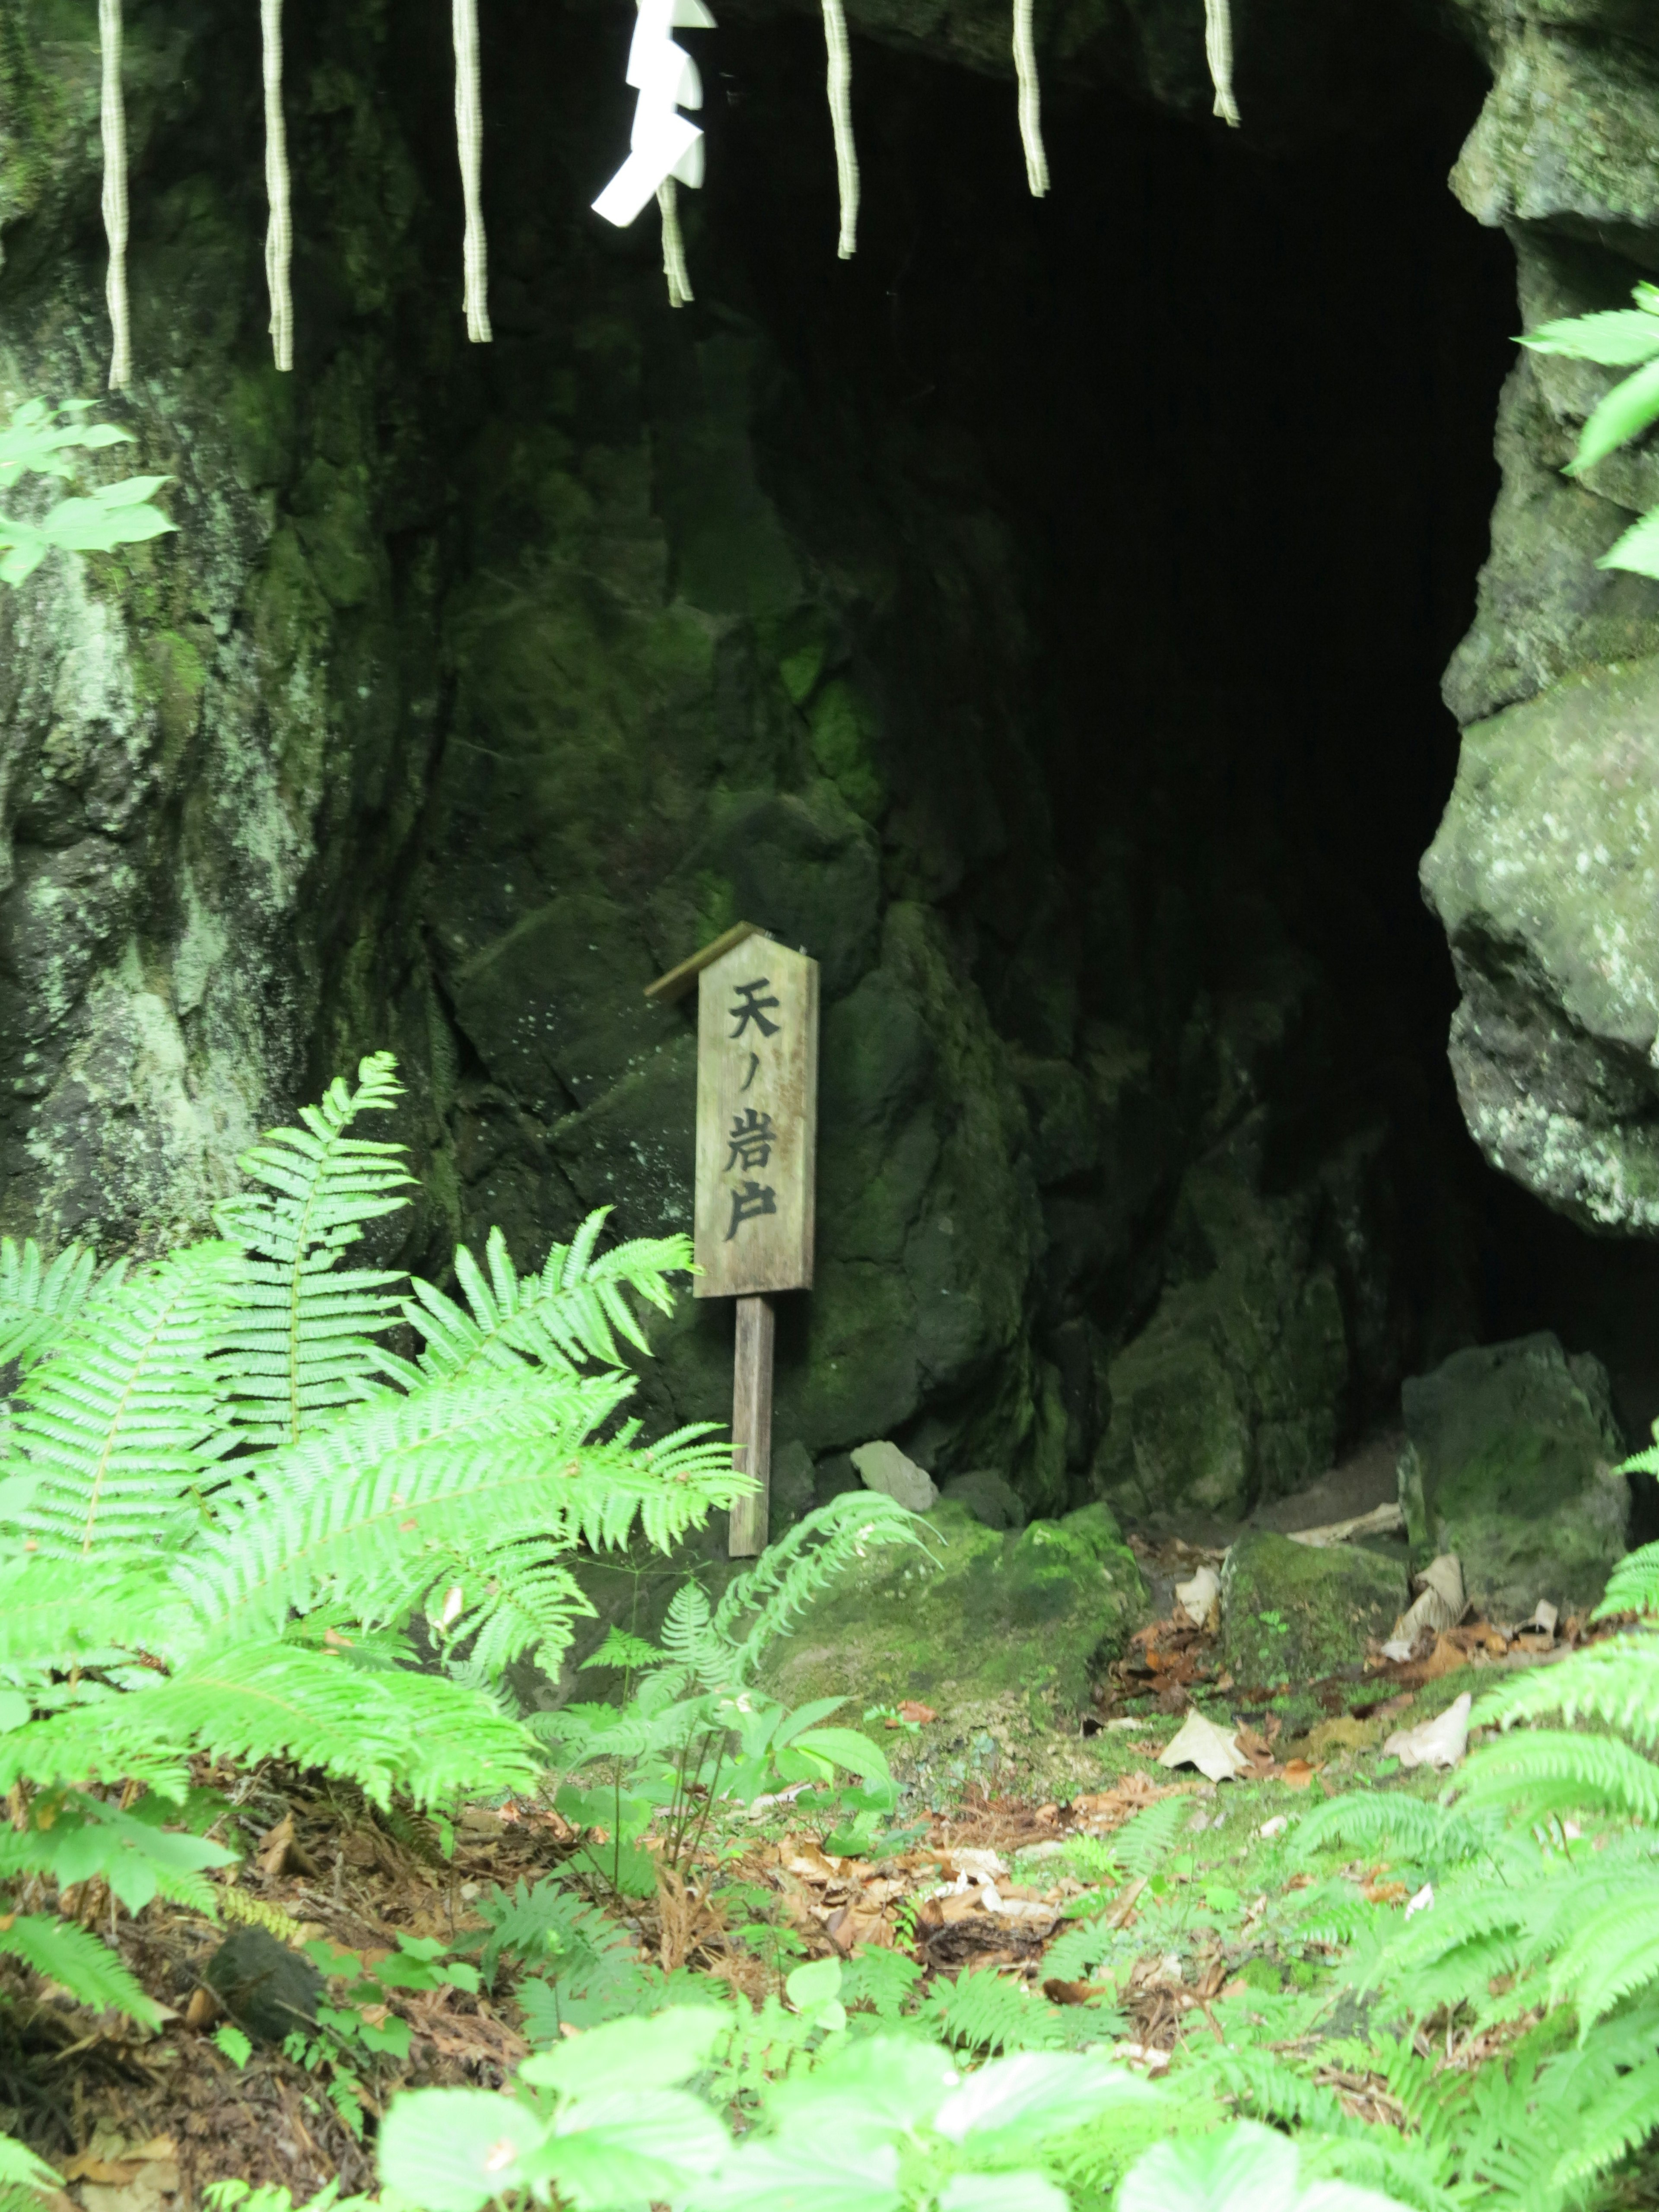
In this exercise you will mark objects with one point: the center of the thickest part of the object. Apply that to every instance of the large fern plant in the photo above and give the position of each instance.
(1542, 1939)
(224, 1501)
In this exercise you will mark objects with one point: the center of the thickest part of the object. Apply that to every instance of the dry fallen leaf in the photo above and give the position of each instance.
(1213, 1751)
(1297, 1774)
(278, 1842)
(1439, 1742)
(1200, 1598)
(910, 1709)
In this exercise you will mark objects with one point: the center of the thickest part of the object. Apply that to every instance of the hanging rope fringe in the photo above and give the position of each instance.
(279, 235)
(1030, 100)
(115, 192)
(1219, 52)
(841, 110)
(469, 134)
(673, 245)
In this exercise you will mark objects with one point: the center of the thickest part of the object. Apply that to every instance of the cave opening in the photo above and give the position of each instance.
(1147, 519)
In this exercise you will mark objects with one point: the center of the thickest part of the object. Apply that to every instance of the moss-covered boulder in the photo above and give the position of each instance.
(1509, 1460)
(1002, 1634)
(1294, 1612)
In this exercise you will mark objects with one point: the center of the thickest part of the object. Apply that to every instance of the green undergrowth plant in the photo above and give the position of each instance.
(1532, 1949)
(42, 441)
(1627, 338)
(641, 2111)
(694, 1736)
(227, 1507)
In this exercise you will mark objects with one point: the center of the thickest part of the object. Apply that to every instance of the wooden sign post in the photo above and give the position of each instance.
(757, 1087)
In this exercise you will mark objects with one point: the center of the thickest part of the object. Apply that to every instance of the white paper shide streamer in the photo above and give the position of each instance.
(469, 139)
(665, 148)
(1219, 52)
(279, 235)
(114, 120)
(1030, 100)
(840, 55)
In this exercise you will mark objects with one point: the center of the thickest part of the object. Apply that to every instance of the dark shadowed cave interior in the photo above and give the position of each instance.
(1076, 576)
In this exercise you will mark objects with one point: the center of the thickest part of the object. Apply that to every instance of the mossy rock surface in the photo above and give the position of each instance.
(1003, 1636)
(1294, 1612)
(1509, 1460)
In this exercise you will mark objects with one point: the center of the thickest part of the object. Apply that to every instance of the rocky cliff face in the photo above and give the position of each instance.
(1036, 619)
(1545, 869)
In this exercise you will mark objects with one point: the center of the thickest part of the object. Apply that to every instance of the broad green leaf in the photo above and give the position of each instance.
(1001, 2192)
(1625, 412)
(817, 1984)
(808, 2176)
(846, 1747)
(454, 2150)
(647, 2054)
(1636, 551)
(1039, 2092)
(879, 2087)
(630, 2146)
(1619, 340)
(15, 1710)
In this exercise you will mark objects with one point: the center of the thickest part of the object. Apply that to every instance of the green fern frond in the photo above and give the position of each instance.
(421, 1733)
(1616, 1683)
(1612, 1949)
(39, 1301)
(1633, 1585)
(27, 2178)
(1267, 2087)
(507, 1600)
(367, 1512)
(1607, 2126)
(790, 1573)
(1145, 1841)
(1426, 1833)
(122, 1423)
(56, 1613)
(87, 1969)
(247, 1912)
(982, 2011)
(1551, 1771)
(301, 1346)
(573, 1312)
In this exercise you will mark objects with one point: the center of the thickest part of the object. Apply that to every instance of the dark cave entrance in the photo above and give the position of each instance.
(1224, 403)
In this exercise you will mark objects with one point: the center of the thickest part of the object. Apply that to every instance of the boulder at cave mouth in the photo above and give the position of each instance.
(1510, 1459)
(1001, 1634)
(1296, 1613)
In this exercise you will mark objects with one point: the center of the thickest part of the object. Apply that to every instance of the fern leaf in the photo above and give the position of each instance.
(982, 2011)
(367, 1512)
(254, 1912)
(790, 1573)
(574, 1311)
(507, 1600)
(1552, 1770)
(39, 1301)
(22, 2172)
(421, 1733)
(1426, 1833)
(87, 1969)
(123, 1421)
(301, 1343)
(1633, 1585)
(1145, 1841)
(1616, 1683)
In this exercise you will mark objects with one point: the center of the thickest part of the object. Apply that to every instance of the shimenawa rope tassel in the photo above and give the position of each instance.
(1030, 100)
(1219, 52)
(841, 112)
(673, 245)
(469, 135)
(279, 235)
(114, 121)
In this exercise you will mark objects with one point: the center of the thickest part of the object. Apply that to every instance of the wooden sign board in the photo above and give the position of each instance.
(757, 1089)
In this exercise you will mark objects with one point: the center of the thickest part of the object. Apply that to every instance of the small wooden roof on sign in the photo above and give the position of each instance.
(678, 980)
